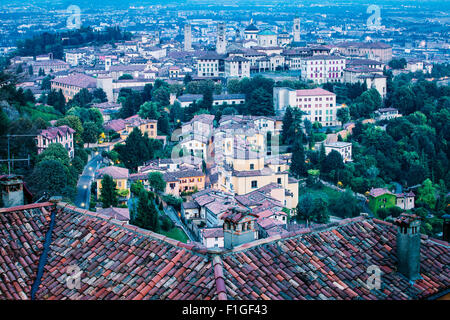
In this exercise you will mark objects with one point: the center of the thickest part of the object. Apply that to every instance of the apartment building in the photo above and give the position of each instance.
(344, 149)
(319, 105)
(237, 67)
(322, 68)
(73, 84)
(379, 51)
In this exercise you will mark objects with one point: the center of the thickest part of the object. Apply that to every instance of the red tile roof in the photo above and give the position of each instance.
(114, 172)
(120, 261)
(313, 92)
(77, 80)
(52, 132)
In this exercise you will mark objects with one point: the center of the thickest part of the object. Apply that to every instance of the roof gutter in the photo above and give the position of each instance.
(44, 255)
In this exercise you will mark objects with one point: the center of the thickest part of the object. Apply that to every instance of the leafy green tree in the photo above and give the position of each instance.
(131, 102)
(234, 86)
(312, 208)
(288, 120)
(163, 123)
(46, 83)
(91, 132)
(4, 122)
(343, 115)
(346, 205)
(147, 93)
(298, 167)
(176, 113)
(100, 95)
(136, 188)
(108, 192)
(260, 103)
(157, 181)
(55, 151)
(126, 76)
(397, 63)
(82, 99)
(427, 194)
(332, 161)
(57, 100)
(137, 149)
(147, 216)
(73, 122)
(50, 176)
(149, 110)
(404, 100)
(161, 96)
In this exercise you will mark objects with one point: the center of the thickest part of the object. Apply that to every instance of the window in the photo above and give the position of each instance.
(252, 166)
(254, 184)
(279, 180)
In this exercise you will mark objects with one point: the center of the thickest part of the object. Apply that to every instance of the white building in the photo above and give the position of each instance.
(267, 38)
(319, 105)
(212, 237)
(187, 100)
(386, 114)
(208, 64)
(344, 148)
(323, 68)
(237, 67)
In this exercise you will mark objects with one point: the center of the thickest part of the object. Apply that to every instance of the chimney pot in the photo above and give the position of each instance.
(408, 245)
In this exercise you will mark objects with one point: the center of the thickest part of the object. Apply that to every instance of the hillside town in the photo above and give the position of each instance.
(175, 154)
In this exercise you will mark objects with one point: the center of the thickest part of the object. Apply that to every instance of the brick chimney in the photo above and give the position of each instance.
(238, 227)
(408, 245)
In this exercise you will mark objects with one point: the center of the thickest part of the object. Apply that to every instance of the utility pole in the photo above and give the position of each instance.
(9, 160)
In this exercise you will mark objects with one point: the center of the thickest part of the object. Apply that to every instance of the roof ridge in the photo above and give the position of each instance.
(219, 277)
(25, 207)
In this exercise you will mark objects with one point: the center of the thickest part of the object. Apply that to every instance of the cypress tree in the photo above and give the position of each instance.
(108, 193)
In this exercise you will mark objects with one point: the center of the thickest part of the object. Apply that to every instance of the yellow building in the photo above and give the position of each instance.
(120, 177)
(247, 171)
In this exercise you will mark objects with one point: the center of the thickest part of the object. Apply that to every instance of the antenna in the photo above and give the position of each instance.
(9, 155)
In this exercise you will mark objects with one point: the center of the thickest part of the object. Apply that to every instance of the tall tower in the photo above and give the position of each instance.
(221, 45)
(296, 30)
(187, 37)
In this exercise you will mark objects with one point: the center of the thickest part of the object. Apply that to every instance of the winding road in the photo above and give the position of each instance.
(84, 182)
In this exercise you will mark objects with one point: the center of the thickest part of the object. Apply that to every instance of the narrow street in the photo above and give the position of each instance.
(84, 182)
(172, 214)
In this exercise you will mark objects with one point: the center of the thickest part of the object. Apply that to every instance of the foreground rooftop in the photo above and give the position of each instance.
(120, 261)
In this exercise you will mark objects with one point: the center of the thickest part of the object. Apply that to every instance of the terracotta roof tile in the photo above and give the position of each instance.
(119, 261)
